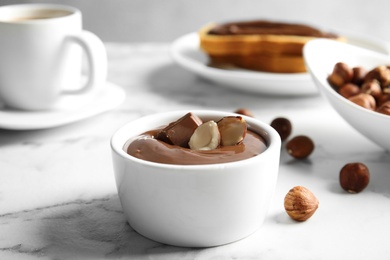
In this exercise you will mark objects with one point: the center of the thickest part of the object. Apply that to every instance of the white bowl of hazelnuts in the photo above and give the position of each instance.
(356, 82)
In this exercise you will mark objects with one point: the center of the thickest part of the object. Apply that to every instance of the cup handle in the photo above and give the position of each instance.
(97, 61)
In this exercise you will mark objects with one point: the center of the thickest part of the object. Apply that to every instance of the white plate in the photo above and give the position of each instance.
(69, 109)
(186, 52)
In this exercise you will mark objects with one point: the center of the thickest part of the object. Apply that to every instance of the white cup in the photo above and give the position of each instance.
(41, 55)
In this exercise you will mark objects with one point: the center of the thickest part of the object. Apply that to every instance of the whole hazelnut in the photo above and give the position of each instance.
(340, 75)
(354, 177)
(244, 112)
(283, 126)
(300, 203)
(300, 147)
(348, 90)
(364, 100)
(358, 75)
(383, 98)
(384, 108)
(380, 73)
(372, 88)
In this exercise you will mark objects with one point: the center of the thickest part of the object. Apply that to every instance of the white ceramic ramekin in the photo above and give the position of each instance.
(195, 205)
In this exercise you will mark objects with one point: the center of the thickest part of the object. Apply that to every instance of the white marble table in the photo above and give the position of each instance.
(58, 198)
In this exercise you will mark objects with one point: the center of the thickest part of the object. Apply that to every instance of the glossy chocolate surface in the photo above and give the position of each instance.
(261, 27)
(147, 147)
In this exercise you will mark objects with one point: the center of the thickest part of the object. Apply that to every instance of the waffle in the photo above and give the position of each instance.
(258, 45)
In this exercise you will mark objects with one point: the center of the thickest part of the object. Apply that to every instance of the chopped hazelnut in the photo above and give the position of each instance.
(233, 130)
(205, 137)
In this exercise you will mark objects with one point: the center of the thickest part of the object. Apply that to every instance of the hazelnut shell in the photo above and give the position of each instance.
(354, 177)
(300, 203)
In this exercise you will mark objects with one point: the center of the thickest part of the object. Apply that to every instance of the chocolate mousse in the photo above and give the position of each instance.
(151, 146)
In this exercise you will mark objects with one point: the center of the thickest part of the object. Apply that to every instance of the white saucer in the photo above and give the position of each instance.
(186, 52)
(69, 109)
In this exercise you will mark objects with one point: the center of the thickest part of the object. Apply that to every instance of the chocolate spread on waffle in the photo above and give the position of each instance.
(261, 27)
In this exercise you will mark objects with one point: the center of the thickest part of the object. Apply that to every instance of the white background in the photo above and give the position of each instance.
(163, 21)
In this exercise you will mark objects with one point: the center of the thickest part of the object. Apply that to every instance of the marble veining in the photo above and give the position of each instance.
(58, 196)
